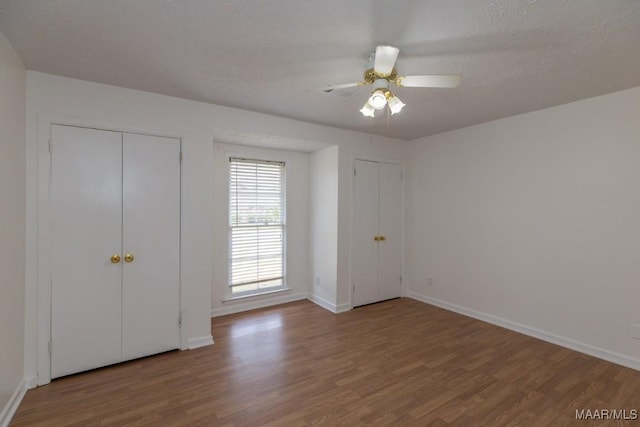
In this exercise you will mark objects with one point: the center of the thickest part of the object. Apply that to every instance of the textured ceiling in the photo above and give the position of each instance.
(515, 56)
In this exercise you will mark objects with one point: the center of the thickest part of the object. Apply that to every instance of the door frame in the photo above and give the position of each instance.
(352, 219)
(41, 254)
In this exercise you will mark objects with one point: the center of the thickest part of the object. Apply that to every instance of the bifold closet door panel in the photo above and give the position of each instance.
(86, 206)
(151, 235)
(365, 249)
(390, 255)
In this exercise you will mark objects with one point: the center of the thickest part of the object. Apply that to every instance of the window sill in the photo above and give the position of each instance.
(261, 294)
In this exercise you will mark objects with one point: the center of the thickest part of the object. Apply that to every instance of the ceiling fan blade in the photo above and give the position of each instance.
(331, 88)
(430, 80)
(385, 59)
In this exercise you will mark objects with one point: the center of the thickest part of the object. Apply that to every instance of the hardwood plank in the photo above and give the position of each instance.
(397, 363)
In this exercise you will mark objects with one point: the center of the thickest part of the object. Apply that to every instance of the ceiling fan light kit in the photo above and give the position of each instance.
(377, 99)
(368, 110)
(380, 97)
(384, 72)
(395, 105)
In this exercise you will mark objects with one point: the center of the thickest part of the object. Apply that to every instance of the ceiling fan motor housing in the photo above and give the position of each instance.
(370, 76)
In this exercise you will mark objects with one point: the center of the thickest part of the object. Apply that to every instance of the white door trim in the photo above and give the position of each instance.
(40, 315)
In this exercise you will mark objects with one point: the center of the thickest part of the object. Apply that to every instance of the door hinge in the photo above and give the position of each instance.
(400, 279)
(50, 146)
(354, 171)
(180, 320)
(50, 347)
(180, 157)
(354, 287)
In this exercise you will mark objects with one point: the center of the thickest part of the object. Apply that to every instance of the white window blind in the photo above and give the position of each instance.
(257, 226)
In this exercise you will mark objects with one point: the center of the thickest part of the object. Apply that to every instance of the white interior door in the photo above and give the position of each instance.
(365, 250)
(86, 205)
(390, 228)
(151, 234)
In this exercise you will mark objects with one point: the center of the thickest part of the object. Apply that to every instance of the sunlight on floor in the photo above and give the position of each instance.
(253, 326)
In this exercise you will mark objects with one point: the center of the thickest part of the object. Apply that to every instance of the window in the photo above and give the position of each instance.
(256, 226)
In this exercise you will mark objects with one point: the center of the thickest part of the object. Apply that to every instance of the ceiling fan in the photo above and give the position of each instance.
(381, 72)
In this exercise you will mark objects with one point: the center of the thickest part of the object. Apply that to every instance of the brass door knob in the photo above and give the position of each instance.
(376, 238)
(128, 257)
(383, 238)
(115, 258)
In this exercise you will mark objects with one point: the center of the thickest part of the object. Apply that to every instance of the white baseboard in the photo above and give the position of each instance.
(30, 381)
(12, 405)
(600, 353)
(267, 301)
(322, 303)
(198, 342)
(340, 308)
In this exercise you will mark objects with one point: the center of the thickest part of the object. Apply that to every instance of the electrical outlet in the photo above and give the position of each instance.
(430, 281)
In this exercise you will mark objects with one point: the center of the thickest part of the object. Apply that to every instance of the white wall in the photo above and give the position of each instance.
(533, 220)
(12, 225)
(324, 227)
(297, 226)
(58, 99)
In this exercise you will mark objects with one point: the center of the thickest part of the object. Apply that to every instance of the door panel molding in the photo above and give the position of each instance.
(390, 250)
(365, 231)
(86, 223)
(151, 211)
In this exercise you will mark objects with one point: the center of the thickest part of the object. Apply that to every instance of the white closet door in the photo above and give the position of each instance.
(390, 227)
(365, 253)
(86, 204)
(151, 233)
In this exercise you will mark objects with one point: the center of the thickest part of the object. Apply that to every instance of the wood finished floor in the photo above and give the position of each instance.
(397, 363)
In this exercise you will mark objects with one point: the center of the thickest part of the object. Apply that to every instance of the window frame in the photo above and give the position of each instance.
(230, 227)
